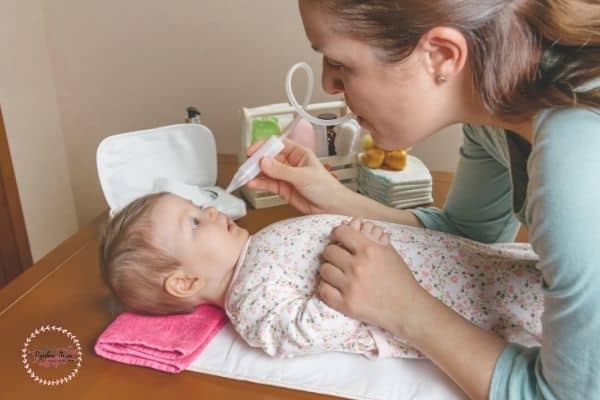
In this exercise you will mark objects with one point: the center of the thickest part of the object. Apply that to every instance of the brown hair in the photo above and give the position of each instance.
(133, 267)
(525, 55)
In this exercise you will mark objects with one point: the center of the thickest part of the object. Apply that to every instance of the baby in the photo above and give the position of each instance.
(163, 255)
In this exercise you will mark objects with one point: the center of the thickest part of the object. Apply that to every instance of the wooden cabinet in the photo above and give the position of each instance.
(15, 254)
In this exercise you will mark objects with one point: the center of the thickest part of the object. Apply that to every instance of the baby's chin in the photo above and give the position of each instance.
(244, 233)
(236, 229)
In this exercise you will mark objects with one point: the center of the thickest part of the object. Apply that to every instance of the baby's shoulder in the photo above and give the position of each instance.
(301, 227)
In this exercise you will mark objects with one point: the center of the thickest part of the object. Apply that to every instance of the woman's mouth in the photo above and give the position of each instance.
(363, 123)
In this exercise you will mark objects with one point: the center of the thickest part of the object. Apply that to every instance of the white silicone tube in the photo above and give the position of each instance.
(251, 167)
(301, 110)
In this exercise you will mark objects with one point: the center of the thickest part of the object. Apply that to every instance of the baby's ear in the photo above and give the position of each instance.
(180, 284)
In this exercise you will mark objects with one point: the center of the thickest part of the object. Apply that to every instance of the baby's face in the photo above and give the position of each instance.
(205, 241)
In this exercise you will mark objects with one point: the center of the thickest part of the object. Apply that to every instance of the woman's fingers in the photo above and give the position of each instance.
(282, 171)
(297, 175)
(374, 230)
(298, 155)
(265, 184)
(349, 238)
(356, 224)
(385, 239)
(332, 275)
(250, 150)
(292, 153)
(337, 256)
(330, 295)
(367, 228)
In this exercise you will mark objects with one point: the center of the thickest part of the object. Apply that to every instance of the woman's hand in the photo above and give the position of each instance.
(370, 230)
(297, 175)
(368, 280)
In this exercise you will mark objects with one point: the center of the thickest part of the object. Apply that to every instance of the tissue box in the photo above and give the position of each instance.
(180, 158)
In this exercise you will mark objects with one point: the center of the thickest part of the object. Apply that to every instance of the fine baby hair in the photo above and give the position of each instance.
(133, 267)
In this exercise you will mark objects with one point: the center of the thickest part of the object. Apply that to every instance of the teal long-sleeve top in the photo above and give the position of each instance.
(552, 185)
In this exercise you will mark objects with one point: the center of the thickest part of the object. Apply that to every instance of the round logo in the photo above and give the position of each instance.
(51, 355)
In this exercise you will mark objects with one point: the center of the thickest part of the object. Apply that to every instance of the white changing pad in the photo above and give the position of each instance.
(338, 374)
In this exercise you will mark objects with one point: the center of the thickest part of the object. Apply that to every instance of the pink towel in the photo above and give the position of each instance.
(166, 343)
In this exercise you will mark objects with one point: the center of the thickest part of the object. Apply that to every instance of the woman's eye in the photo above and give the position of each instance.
(332, 64)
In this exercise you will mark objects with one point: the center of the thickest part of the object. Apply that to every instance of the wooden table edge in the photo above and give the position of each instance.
(47, 265)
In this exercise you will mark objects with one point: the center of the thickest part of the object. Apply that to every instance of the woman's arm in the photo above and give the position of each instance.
(371, 282)
(564, 224)
(479, 205)
(465, 352)
(298, 176)
(365, 207)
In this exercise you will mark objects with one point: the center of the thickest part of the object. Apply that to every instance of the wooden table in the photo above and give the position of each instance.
(65, 289)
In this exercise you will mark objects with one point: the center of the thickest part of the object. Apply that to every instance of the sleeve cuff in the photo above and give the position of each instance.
(428, 217)
(384, 349)
(513, 375)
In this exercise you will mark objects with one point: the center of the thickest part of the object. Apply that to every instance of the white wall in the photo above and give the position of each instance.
(31, 118)
(128, 65)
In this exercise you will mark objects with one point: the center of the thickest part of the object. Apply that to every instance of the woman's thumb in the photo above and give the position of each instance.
(278, 170)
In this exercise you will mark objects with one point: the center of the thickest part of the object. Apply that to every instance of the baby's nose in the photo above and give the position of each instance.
(211, 212)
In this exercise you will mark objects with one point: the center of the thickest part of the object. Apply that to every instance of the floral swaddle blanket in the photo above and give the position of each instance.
(272, 301)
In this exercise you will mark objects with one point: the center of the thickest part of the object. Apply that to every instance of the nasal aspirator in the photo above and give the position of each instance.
(273, 146)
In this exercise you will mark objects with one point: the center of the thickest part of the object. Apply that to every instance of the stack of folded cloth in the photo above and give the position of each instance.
(399, 189)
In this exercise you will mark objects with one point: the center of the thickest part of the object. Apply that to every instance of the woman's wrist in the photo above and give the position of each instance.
(465, 352)
(410, 323)
(360, 205)
(346, 202)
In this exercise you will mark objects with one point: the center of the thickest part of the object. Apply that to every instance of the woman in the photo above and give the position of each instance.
(522, 76)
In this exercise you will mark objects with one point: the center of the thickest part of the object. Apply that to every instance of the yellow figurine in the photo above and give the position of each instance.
(374, 157)
(395, 159)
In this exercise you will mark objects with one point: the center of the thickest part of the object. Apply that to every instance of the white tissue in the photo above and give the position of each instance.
(181, 159)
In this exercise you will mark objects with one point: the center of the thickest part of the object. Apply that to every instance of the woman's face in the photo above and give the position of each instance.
(397, 102)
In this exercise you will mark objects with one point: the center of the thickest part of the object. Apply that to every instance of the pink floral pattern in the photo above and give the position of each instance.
(272, 303)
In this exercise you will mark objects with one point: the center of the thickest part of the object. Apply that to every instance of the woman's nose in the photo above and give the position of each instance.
(332, 83)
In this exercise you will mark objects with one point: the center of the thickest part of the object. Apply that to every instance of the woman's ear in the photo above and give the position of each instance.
(446, 52)
(180, 284)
